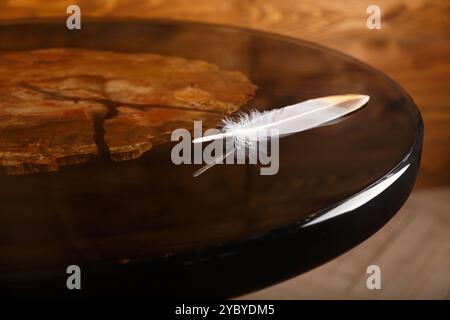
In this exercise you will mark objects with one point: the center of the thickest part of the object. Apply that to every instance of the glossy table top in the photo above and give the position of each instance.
(230, 230)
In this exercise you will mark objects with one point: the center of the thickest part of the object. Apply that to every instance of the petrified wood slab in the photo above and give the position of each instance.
(69, 106)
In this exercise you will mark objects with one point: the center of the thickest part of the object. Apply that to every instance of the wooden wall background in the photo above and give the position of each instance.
(413, 46)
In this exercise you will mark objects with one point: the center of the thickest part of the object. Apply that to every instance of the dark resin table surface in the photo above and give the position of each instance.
(147, 228)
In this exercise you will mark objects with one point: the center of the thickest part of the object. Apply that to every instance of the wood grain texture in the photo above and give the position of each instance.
(413, 46)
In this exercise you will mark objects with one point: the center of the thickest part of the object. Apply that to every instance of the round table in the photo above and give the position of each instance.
(147, 228)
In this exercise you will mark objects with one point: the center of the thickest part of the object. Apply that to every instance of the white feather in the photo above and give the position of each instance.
(249, 128)
(257, 126)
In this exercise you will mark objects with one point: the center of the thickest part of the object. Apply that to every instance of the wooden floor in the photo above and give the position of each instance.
(412, 250)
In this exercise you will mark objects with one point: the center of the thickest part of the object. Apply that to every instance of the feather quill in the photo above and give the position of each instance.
(288, 120)
(256, 126)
